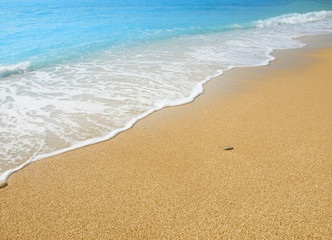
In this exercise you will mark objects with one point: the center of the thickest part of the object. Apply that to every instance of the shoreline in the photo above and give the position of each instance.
(196, 93)
(169, 176)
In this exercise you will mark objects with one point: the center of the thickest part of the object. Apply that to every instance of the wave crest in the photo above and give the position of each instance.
(294, 18)
(21, 67)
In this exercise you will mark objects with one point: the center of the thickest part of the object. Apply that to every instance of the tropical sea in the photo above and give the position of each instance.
(73, 73)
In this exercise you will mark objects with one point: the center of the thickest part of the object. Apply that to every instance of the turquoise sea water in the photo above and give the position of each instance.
(77, 72)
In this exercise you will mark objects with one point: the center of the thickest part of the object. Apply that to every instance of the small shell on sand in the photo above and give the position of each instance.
(228, 148)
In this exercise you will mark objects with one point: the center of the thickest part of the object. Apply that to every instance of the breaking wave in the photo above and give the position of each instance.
(294, 18)
(18, 68)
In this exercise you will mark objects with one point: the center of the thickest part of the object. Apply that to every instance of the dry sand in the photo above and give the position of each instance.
(169, 178)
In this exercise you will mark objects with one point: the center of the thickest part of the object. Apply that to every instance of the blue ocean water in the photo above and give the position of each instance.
(77, 72)
(47, 32)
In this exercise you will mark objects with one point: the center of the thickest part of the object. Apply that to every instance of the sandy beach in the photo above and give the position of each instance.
(169, 176)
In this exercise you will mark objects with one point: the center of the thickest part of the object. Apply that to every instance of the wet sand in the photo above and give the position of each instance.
(170, 178)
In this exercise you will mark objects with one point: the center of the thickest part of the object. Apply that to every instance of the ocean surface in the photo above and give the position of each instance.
(73, 73)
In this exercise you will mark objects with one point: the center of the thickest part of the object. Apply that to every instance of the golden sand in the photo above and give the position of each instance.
(169, 178)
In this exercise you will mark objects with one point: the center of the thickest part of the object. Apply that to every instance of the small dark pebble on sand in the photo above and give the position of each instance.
(3, 184)
(228, 148)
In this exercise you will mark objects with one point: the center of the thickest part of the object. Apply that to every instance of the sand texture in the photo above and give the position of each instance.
(170, 178)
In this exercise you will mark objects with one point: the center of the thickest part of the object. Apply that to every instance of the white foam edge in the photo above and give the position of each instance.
(198, 90)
